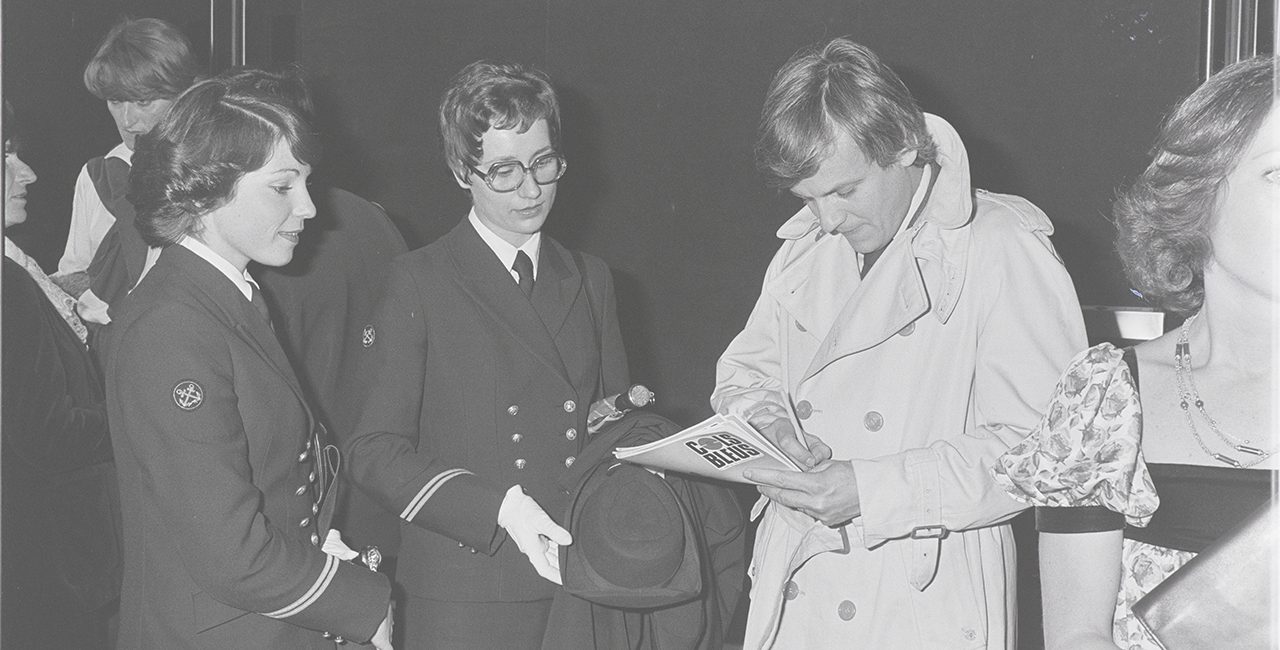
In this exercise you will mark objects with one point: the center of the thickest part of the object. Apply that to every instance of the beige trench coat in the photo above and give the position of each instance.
(922, 374)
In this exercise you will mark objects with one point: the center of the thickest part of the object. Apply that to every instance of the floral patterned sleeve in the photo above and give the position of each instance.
(1085, 452)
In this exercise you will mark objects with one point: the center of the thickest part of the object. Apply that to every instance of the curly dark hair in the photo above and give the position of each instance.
(216, 132)
(1163, 220)
(493, 95)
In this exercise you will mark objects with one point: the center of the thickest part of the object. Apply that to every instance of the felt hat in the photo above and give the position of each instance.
(634, 544)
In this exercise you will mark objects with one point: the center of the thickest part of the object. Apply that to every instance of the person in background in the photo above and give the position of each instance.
(1147, 455)
(907, 333)
(61, 546)
(138, 69)
(479, 369)
(225, 476)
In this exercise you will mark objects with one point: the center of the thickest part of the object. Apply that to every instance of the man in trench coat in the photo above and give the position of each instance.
(909, 330)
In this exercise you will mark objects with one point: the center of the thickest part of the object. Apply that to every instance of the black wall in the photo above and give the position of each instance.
(1058, 102)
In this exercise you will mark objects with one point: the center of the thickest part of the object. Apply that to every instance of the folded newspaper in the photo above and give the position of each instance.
(721, 447)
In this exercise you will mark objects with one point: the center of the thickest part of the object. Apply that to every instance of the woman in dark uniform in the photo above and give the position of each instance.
(224, 475)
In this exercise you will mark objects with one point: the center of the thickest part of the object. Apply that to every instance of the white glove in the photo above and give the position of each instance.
(333, 545)
(537, 536)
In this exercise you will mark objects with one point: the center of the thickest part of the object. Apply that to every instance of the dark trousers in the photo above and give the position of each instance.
(444, 625)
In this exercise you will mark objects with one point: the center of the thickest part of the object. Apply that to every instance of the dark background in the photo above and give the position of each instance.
(1057, 101)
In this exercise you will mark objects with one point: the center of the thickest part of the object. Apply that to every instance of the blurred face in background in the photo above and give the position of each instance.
(135, 117)
(17, 176)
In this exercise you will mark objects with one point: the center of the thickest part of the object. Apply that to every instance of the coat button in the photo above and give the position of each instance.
(846, 610)
(907, 329)
(791, 590)
(568, 462)
(520, 463)
(315, 508)
(304, 522)
(570, 406)
(302, 458)
(315, 539)
(308, 445)
(311, 478)
(302, 489)
(873, 421)
(513, 410)
(515, 437)
(571, 433)
(804, 409)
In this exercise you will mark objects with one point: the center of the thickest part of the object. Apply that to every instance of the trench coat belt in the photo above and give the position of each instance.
(925, 542)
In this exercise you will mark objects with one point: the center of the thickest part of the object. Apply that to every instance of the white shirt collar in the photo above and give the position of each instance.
(122, 152)
(503, 249)
(241, 280)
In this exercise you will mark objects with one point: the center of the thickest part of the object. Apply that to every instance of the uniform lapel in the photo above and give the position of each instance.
(491, 287)
(559, 285)
(228, 305)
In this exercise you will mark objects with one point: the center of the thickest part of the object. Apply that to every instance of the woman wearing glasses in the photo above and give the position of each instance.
(480, 365)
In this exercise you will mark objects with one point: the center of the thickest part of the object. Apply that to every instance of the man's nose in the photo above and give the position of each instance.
(830, 217)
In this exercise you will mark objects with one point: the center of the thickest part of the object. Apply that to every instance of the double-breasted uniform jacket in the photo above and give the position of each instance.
(222, 477)
(470, 387)
(922, 374)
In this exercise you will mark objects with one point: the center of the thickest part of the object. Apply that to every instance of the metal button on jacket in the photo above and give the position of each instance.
(873, 421)
(304, 522)
(311, 478)
(513, 410)
(846, 610)
(568, 462)
(515, 437)
(520, 463)
(571, 434)
(315, 508)
(804, 409)
(791, 590)
(302, 458)
(315, 539)
(302, 489)
(570, 406)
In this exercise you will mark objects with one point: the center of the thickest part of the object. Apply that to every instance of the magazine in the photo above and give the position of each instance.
(720, 447)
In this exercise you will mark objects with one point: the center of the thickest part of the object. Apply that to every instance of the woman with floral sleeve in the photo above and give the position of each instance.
(1148, 454)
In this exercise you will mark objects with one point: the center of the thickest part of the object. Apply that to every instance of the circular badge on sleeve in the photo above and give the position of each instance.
(188, 395)
(368, 335)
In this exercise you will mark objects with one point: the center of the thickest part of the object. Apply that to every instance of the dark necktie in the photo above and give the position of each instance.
(523, 267)
(260, 303)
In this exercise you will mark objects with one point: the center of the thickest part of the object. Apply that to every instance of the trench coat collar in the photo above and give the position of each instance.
(533, 321)
(224, 301)
(922, 270)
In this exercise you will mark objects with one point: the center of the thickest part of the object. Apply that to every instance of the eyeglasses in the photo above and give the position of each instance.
(509, 175)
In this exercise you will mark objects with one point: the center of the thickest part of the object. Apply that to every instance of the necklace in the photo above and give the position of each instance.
(1189, 396)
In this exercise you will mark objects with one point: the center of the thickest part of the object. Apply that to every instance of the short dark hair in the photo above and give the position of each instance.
(141, 59)
(215, 133)
(839, 87)
(1163, 219)
(487, 95)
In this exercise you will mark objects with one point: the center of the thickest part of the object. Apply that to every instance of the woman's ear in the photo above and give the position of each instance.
(462, 182)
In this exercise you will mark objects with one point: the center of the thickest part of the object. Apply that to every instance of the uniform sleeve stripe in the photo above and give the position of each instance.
(313, 594)
(415, 505)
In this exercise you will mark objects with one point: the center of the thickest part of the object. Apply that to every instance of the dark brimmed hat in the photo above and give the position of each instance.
(634, 544)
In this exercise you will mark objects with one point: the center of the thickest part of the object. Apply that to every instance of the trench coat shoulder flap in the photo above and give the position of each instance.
(534, 322)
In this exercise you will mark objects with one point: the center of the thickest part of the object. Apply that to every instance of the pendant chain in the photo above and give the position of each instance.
(1189, 396)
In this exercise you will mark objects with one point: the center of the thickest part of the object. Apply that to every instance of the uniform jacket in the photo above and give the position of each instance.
(922, 373)
(469, 388)
(220, 477)
(320, 303)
